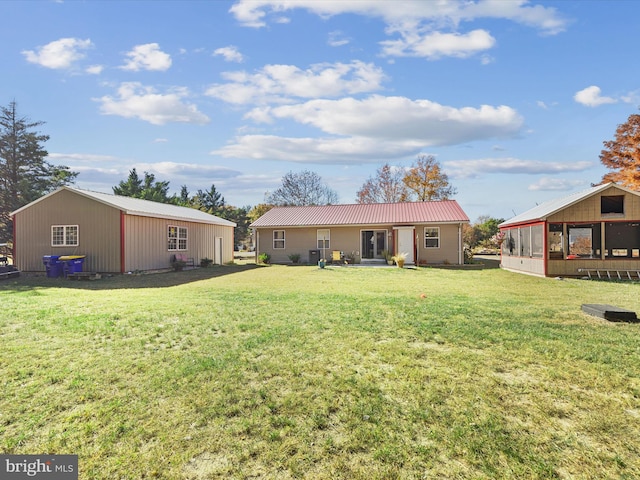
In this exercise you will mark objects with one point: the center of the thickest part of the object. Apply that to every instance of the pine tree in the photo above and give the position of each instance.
(25, 175)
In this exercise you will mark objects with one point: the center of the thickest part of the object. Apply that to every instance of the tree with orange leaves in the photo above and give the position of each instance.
(622, 155)
(426, 181)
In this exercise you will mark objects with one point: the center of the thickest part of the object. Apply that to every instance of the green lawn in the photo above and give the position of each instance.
(343, 373)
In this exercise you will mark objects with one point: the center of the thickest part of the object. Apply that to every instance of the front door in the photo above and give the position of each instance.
(373, 243)
(405, 243)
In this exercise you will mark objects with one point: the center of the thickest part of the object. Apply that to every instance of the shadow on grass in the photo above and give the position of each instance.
(489, 261)
(125, 281)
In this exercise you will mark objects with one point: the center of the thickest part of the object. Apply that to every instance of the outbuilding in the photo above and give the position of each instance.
(117, 234)
(591, 231)
(426, 232)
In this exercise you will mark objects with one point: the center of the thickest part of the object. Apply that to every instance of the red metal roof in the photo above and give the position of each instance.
(445, 211)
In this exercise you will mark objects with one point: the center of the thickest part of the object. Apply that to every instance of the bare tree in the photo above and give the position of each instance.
(385, 187)
(300, 189)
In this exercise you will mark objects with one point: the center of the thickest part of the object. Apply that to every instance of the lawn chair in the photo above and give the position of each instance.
(337, 257)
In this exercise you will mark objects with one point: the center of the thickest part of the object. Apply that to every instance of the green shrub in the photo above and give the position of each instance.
(264, 258)
(294, 257)
(206, 262)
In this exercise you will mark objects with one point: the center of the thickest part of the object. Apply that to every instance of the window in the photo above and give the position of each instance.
(524, 234)
(324, 238)
(537, 243)
(584, 241)
(278, 239)
(613, 205)
(508, 243)
(556, 249)
(177, 238)
(622, 239)
(431, 237)
(64, 236)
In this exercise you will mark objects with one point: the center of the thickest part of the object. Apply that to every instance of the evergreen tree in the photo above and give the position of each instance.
(146, 189)
(210, 201)
(25, 175)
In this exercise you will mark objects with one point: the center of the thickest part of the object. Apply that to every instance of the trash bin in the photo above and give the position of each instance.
(52, 265)
(72, 263)
(314, 257)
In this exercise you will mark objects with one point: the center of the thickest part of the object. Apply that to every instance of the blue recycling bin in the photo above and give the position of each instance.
(72, 264)
(52, 265)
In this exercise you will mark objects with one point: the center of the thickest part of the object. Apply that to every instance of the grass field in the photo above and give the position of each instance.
(343, 373)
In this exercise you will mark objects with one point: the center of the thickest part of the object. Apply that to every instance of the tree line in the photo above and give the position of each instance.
(26, 175)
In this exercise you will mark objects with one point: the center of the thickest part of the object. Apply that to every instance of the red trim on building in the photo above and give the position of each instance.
(122, 263)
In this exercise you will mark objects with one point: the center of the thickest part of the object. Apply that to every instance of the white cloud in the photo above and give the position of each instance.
(340, 151)
(147, 57)
(548, 184)
(437, 45)
(337, 39)
(427, 29)
(591, 97)
(278, 83)
(401, 119)
(59, 54)
(81, 157)
(94, 69)
(254, 13)
(230, 54)
(187, 170)
(474, 168)
(133, 100)
(372, 130)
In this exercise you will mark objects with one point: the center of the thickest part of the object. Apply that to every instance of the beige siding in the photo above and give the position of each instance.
(449, 249)
(99, 225)
(347, 239)
(585, 211)
(588, 210)
(569, 268)
(146, 242)
(533, 266)
(98, 232)
(301, 240)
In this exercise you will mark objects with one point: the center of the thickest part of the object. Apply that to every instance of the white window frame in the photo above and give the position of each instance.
(275, 239)
(323, 234)
(177, 240)
(437, 229)
(67, 238)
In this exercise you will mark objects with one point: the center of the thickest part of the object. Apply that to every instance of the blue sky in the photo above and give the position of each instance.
(513, 98)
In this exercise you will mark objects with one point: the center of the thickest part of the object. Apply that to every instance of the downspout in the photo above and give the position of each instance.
(122, 257)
